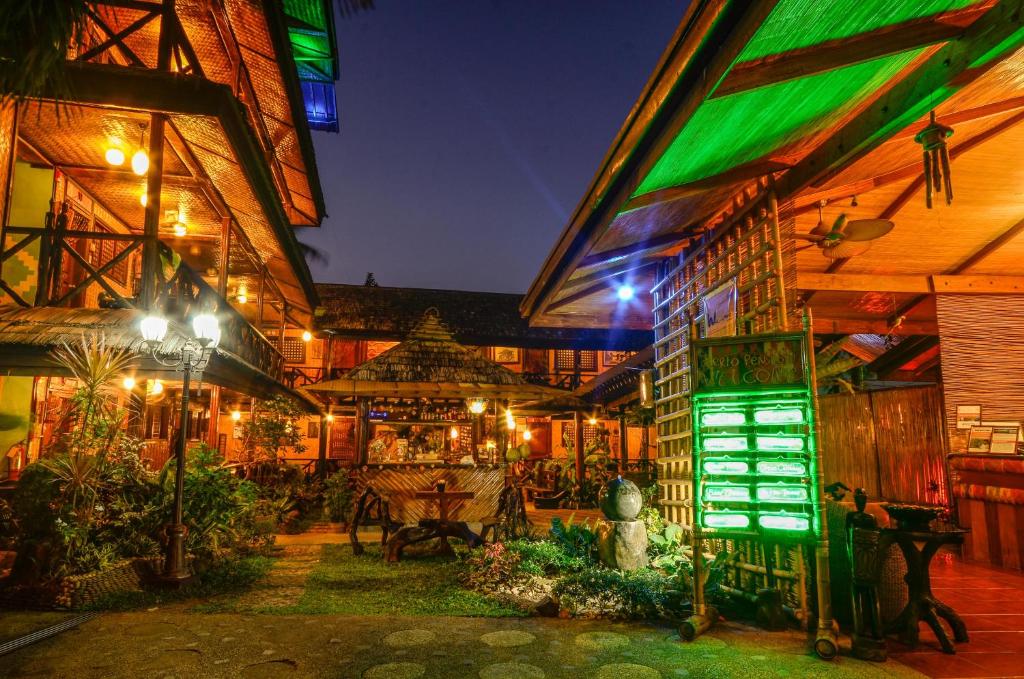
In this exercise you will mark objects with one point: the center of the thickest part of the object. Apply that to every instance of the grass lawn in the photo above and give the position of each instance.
(343, 584)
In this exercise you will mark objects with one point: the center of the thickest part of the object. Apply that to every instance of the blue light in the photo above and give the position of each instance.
(626, 293)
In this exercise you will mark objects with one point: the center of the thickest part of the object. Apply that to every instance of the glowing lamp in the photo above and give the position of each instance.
(243, 294)
(784, 522)
(156, 387)
(140, 162)
(307, 336)
(782, 493)
(453, 433)
(329, 418)
(731, 418)
(128, 383)
(143, 199)
(726, 466)
(527, 435)
(180, 229)
(236, 415)
(726, 520)
(592, 421)
(779, 416)
(491, 445)
(153, 329)
(477, 406)
(726, 493)
(726, 443)
(510, 420)
(781, 468)
(114, 156)
(207, 330)
(625, 292)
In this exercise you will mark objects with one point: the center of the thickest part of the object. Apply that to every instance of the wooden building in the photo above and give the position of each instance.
(772, 167)
(173, 176)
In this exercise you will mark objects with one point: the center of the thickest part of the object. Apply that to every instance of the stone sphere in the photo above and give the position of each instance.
(621, 500)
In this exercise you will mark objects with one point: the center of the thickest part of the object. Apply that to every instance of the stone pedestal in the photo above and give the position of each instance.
(622, 544)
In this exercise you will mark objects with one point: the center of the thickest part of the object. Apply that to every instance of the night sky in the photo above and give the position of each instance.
(469, 131)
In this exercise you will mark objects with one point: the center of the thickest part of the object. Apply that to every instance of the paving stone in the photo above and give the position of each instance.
(601, 641)
(395, 670)
(626, 671)
(409, 637)
(511, 670)
(507, 638)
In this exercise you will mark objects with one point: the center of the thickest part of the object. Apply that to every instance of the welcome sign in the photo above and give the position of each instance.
(750, 362)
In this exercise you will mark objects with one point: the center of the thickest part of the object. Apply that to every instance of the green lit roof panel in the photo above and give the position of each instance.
(730, 131)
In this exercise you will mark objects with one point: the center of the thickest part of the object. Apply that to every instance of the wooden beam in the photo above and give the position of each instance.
(869, 326)
(640, 248)
(833, 54)
(962, 284)
(617, 269)
(985, 43)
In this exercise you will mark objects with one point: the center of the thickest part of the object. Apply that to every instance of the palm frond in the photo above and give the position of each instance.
(35, 38)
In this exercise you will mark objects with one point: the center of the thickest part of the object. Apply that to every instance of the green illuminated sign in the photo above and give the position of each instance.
(754, 448)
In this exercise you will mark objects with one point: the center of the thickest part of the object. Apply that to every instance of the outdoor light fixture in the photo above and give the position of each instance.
(180, 229)
(114, 156)
(128, 383)
(189, 356)
(143, 198)
(156, 387)
(243, 294)
(329, 418)
(307, 336)
(477, 406)
(510, 420)
(454, 433)
(140, 162)
(236, 415)
(626, 292)
(592, 421)
(527, 435)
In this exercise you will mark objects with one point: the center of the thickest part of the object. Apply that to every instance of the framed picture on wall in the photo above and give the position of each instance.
(968, 416)
(979, 440)
(611, 358)
(312, 429)
(506, 354)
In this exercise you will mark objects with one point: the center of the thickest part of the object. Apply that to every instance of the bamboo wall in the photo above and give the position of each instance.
(982, 358)
(891, 443)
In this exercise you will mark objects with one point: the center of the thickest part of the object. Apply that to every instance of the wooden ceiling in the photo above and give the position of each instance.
(962, 59)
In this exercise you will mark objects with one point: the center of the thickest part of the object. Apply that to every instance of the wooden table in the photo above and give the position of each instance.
(918, 548)
(443, 527)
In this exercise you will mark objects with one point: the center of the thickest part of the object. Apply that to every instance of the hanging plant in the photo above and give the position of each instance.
(936, 160)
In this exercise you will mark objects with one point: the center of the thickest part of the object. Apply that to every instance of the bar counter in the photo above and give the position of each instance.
(400, 481)
(989, 492)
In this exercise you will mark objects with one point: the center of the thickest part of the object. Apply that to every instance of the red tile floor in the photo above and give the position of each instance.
(991, 603)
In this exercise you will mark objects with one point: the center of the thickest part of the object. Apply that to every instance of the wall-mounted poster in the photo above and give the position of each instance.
(506, 354)
(1005, 436)
(980, 440)
(968, 416)
(616, 357)
(720, 311)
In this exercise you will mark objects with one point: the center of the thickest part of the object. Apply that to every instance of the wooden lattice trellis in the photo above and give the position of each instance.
(752, 248)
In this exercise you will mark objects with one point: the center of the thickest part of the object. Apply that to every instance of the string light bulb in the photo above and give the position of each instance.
(592, 421)
(140, 160)
(114, 156)
(329, 418)
(307, 336)
(236, 415)
(527, 435)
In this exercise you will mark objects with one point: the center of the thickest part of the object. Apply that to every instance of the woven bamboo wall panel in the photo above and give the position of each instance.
(982, 358)
(7, 130)
(847, 442)
(401, 483)
(908, 427)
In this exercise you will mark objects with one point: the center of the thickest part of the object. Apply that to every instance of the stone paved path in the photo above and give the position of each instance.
(286, 582)
(177, 644)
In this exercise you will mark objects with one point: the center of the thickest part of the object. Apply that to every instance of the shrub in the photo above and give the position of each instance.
(575, 539)
(338, 494)
(644, 593)
(545, 557)
(491, 567)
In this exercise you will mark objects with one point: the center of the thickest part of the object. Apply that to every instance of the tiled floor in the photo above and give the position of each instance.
(991, 603)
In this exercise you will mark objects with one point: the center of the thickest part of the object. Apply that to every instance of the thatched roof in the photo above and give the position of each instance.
(431, 363)
(474, 318)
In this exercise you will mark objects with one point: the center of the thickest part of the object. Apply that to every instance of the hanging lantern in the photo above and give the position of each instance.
(936, 160)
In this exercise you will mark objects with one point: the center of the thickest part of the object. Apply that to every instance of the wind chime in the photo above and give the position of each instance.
(936, 160)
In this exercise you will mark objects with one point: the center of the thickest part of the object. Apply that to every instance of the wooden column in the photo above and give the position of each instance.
(225, 257)
(362, 431)
(214, 428)
(577, 420)
(623, 438)
(321, 453)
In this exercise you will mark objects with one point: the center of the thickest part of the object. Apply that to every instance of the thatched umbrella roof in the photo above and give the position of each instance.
(430, 363)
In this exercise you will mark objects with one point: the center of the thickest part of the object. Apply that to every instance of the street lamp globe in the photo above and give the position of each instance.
(153, 329)
(206, 329)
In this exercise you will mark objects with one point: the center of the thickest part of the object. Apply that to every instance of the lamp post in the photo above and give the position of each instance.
(192, 357)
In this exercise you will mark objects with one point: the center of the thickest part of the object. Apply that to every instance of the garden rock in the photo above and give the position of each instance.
(622, 544)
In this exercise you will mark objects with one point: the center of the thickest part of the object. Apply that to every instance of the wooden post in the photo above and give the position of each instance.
(321, 453)
(577, 419)
(623, 438)
(225, 256)
(362, 431)
(214, 428)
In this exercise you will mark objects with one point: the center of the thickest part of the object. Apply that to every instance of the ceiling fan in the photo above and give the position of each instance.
(845, 238)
